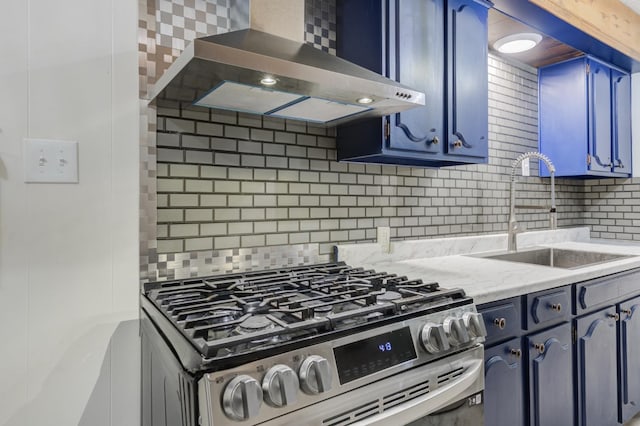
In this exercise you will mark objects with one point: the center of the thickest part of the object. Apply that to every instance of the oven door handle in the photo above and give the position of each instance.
(432, 401)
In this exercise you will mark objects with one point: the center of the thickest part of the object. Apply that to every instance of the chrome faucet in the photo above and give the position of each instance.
(514, 228)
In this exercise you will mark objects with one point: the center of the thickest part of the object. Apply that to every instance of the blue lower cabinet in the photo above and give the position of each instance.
(629, 359)
(503, 374)
(596, 353)
(550, 367)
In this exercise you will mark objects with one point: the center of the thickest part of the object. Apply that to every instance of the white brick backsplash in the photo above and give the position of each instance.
(277, 180)
(168, 139)
(277, 239)
(214, 172)
(226, 242)
(240, 200)
(213, 229)
(241, 174)
(209, 129)
(198, 215)
(213, 200)
(177, 125)
(194, 244)
(170, 155)
(252, 241)
(170, 185)
(184, 230)
(183, 200)
(198, 185)
(183, 170)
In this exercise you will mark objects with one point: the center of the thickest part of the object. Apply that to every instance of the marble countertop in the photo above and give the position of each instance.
(447, 261)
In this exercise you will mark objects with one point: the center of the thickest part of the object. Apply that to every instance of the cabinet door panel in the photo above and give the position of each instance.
(596, 351)
(501, 319)
(503, 391)
(468, 90)
(600, 127)
(621, 92)
(550, 375)
(629, 358)
(416, 59)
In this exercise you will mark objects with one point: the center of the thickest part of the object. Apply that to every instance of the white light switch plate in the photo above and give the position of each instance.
(384, 238)
(50, 161)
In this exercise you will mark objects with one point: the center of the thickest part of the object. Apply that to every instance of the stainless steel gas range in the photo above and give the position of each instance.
(316, 345)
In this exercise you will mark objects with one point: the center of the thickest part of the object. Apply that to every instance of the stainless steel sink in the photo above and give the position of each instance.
(557, 258)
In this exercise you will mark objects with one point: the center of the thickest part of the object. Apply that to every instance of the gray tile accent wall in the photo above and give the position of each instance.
(229, 180)
(612, 208)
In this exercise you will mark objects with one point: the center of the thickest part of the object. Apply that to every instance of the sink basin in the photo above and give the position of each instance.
(558, 258)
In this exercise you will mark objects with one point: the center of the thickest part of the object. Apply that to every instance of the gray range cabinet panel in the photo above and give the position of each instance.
(585, 118)
(435, 46)
(596, 356)
(550, 366)
(504, 384)
(629, 358)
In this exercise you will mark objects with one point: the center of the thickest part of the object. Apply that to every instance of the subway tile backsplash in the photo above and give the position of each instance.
(228, 180)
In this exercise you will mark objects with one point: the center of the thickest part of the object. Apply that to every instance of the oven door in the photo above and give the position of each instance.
(445, 392)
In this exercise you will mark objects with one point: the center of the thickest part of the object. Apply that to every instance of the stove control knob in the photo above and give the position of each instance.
(475, 324)
(456, 331)
(280, 386)
(315, 375)
(242, 398)
(433, 338)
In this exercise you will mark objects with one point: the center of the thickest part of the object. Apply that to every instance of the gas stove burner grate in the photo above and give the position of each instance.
(229, 314)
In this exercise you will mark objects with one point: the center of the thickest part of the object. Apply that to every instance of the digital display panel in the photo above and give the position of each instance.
(368, 356)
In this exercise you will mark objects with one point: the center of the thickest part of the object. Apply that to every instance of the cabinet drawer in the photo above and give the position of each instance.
(502, 319)
(547, 307)
(598, 293)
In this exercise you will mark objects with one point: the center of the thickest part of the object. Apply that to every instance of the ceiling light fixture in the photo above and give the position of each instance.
(516, 43)
(268, 81)
(365, 100)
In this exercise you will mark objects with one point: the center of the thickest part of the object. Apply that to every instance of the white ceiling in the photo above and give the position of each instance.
(633, 4)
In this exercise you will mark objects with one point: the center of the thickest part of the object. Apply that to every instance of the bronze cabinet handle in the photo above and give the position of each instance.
(501, 323)
(627, 311)
(556, 307)
(539, 347)
(516, 353)
(616, 316)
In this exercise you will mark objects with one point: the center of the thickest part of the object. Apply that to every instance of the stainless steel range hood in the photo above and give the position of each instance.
(259, 72)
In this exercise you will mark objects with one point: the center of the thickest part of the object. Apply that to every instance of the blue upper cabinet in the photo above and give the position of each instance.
(435, 46)
(468, 84)
(585, 118)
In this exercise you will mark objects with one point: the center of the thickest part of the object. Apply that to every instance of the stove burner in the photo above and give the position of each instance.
(388, 296)
(254, 324)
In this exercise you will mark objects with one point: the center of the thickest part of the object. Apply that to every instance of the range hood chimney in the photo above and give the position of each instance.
(268, 69)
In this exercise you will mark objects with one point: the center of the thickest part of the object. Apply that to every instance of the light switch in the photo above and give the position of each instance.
(50, 161)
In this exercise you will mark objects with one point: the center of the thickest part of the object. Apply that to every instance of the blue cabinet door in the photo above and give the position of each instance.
(597, 389)
(415, 54)
(629, 345)
(621, 101)
(503, 384)
(600, 114)
(467, 79)
(550, 367)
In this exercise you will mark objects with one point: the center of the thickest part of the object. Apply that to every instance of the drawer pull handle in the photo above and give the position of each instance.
(516, 353)
(539, 347)
(556, 307)
(616, 316)
(501, 323)
(627, 311)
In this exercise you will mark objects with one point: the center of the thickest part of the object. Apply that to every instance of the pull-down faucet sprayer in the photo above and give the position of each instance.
(514, 228)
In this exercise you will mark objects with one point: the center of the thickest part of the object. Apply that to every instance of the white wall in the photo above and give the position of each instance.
(69, 253)
(635, 123)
